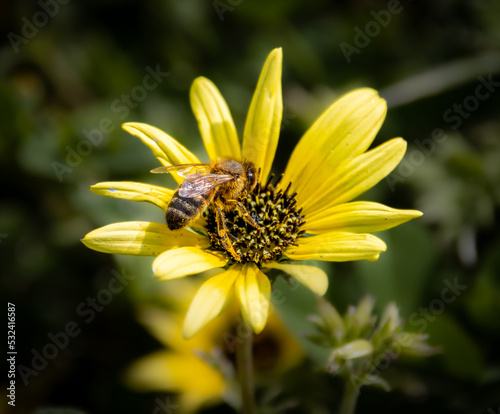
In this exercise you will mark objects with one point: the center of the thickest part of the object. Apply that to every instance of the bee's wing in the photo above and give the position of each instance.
(199, 184)
(184, 170)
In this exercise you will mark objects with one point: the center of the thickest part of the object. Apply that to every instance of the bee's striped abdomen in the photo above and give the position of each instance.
(182, 210)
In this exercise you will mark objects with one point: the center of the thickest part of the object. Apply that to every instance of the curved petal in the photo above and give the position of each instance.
(355, 177)
(253, 290)
(140, 238)
(311, 276)
(263, 124)
(344, 131)
(156, 371)
(185, 261)
(209, 301)
(175, 372)
(214, 120)
(357, 217)
(163, 326)
(165, 148)
(337, 247)
(126, 190)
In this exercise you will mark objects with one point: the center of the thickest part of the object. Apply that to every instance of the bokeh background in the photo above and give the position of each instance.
(73, 71)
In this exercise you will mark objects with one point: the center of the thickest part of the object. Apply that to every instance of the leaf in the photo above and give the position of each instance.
(402, 271)
(461, 356)
(294, 304)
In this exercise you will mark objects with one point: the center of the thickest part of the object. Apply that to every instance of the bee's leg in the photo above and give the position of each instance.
(224, 234)
(246, 215)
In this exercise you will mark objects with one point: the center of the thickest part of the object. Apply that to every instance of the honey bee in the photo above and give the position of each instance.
(217, 186)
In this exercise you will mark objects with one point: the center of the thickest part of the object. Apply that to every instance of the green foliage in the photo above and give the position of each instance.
(361, 348)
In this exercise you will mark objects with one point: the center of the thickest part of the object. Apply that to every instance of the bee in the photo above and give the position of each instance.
(217, 186)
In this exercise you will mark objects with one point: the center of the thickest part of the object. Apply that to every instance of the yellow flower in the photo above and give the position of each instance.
(307, 215)
(182, 369)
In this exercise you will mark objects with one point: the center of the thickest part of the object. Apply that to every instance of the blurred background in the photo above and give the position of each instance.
(72, 72)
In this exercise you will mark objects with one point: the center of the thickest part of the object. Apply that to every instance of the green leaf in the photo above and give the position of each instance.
(483, 300)
(294, 304)
(461, 356)
(402, 271)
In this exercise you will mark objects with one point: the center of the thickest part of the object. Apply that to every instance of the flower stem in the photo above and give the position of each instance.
(349, 398)
(244, 364)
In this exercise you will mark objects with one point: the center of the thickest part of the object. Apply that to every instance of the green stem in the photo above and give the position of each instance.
(349, 398)
(244, 364)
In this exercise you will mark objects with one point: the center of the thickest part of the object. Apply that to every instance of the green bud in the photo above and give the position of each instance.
(390, 324)
(390, 318)
(318, 323)
(331, 318)
(359, 320)
(415, 344)
(356, 349)
(352, 350)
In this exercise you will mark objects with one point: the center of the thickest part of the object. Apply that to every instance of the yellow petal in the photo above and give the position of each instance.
(214, 120)
(164, 147)
(174, 372)
(162, 325)
(344, 131)
(185, 261)
(263, 123)
(126, 190)
(253, 290)
(166, 326)
(357, 217)
(209, 301)
(337, 247)
(156, 371)
(140, 238)
(355, 177)
(311, 276)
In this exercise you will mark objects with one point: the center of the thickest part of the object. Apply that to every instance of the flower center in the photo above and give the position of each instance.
(276, 213)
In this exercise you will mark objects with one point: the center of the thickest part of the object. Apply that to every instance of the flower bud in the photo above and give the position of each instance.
(390, 324)
(415, 344)
(332, 320)
(359, 320)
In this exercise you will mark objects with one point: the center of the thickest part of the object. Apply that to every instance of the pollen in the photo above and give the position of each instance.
(277, 215)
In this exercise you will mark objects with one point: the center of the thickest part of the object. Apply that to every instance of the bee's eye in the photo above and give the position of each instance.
(250, 174)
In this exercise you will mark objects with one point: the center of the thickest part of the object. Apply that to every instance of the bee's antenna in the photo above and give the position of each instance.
(160, 170)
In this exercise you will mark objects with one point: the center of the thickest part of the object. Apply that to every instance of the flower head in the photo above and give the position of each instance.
(306, 215)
